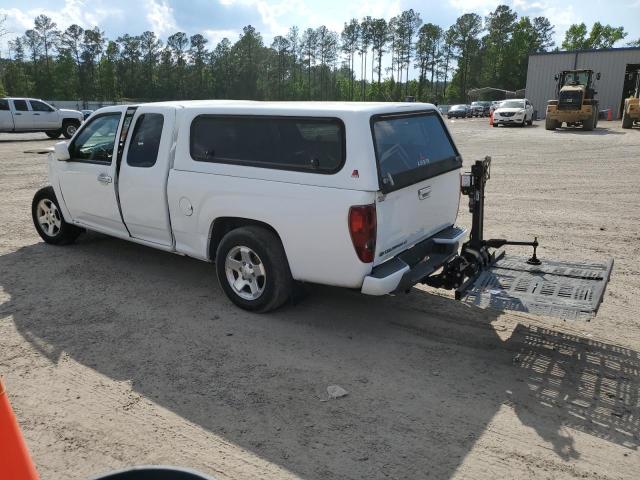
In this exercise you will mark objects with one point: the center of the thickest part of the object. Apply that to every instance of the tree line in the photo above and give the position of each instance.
(370, 59)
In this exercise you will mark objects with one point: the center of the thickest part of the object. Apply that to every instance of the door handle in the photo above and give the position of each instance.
(104, 178)
(17, 113)
(36, 114)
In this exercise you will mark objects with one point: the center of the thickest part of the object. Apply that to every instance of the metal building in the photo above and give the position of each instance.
(613, 64)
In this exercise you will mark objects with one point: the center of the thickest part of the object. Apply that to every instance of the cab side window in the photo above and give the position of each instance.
(21, 105)
(4, 104)
(37, 106)
(95, 142)
(145, 141)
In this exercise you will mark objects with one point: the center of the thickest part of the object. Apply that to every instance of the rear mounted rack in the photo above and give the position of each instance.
(484, 276)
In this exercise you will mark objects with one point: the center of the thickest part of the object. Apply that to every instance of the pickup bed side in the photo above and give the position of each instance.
(311, 221)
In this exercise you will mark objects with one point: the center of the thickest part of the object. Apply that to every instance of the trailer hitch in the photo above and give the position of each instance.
(475, 255)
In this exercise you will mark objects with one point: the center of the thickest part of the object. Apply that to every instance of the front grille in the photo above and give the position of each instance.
(507, 114)
(570, 100)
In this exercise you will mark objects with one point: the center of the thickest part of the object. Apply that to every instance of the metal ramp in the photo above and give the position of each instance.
(567, 290)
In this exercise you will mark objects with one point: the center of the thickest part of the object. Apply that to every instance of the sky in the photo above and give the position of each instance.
(217, 19)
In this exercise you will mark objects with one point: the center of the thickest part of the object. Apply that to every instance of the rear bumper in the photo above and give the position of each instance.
(411, 266)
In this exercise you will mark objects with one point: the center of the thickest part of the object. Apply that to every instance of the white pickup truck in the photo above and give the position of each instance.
(345, 194)
(23, 115)
(357, 195)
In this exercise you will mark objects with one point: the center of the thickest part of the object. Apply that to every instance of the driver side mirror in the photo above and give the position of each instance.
(556, 77)
(61, 151)
(598, 76)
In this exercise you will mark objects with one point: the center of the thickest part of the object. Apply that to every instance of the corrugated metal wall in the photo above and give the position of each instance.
(610, 63)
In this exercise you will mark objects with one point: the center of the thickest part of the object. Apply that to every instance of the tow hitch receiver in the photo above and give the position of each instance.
(483, 276)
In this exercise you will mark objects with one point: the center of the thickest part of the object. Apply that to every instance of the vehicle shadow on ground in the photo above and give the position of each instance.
(18, 140)
(596, 131)
(425, 375)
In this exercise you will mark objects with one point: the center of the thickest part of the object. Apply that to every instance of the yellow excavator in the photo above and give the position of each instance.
(631, 112)
(575, 102)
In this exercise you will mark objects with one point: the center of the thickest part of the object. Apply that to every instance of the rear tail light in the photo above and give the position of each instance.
(362, 227)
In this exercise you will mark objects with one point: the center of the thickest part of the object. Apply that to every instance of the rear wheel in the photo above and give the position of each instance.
(48, 219)
(53, 133)
(550, 124)
(627, 121)
(253, 270)
(69, 128)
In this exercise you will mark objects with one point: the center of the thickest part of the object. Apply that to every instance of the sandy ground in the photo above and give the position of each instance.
(115, 354)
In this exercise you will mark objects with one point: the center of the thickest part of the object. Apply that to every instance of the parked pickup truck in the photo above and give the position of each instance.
(362, 196)
(22, 115)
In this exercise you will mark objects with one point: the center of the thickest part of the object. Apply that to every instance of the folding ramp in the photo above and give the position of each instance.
(567, 290)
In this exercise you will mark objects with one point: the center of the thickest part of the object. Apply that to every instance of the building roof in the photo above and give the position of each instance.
(590, 50)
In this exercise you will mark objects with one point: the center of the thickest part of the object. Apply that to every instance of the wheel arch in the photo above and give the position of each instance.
(223, 225)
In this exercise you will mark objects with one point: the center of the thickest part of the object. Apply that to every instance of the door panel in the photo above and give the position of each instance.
(44, 116)
(142, 182)
(87, 179)
(22, 117)
(6, 118)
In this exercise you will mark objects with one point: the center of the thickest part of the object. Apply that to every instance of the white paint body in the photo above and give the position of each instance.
(174, 204)
(510, 115)
(47, 118)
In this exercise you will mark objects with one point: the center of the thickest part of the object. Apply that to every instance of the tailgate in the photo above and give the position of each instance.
(416, 212)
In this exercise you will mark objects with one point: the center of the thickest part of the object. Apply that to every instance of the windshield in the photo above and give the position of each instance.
(458, 107)
(512, 104)
(411, 148)
(575, 78)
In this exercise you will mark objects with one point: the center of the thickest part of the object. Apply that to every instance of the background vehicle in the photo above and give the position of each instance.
(494, 105)
(480, 108)
(513, 112)
(458, 111)
(575, 104)
(86, 113)
(21, 115)
(631, 112)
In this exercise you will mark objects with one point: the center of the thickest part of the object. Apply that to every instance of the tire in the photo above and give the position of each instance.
(257, 253)
(69, 128)
(550, 124)
(627, 122)
(495, 125)
(53, 133)
(53, 228)
(524, 122)
(587, 125)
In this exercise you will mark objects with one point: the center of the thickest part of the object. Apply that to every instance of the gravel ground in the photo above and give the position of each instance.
(115, 354)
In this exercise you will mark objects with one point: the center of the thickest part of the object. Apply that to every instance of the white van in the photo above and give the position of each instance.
(358, 195)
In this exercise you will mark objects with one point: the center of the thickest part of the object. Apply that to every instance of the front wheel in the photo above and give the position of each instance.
(48, 219)
(589, 123)
(69, 128)
(53, 133)
(627, 121)
(253, 270)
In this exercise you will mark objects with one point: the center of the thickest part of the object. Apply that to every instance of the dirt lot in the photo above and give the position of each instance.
(115, 354)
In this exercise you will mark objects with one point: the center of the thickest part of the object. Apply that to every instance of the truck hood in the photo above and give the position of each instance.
(71, 113)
